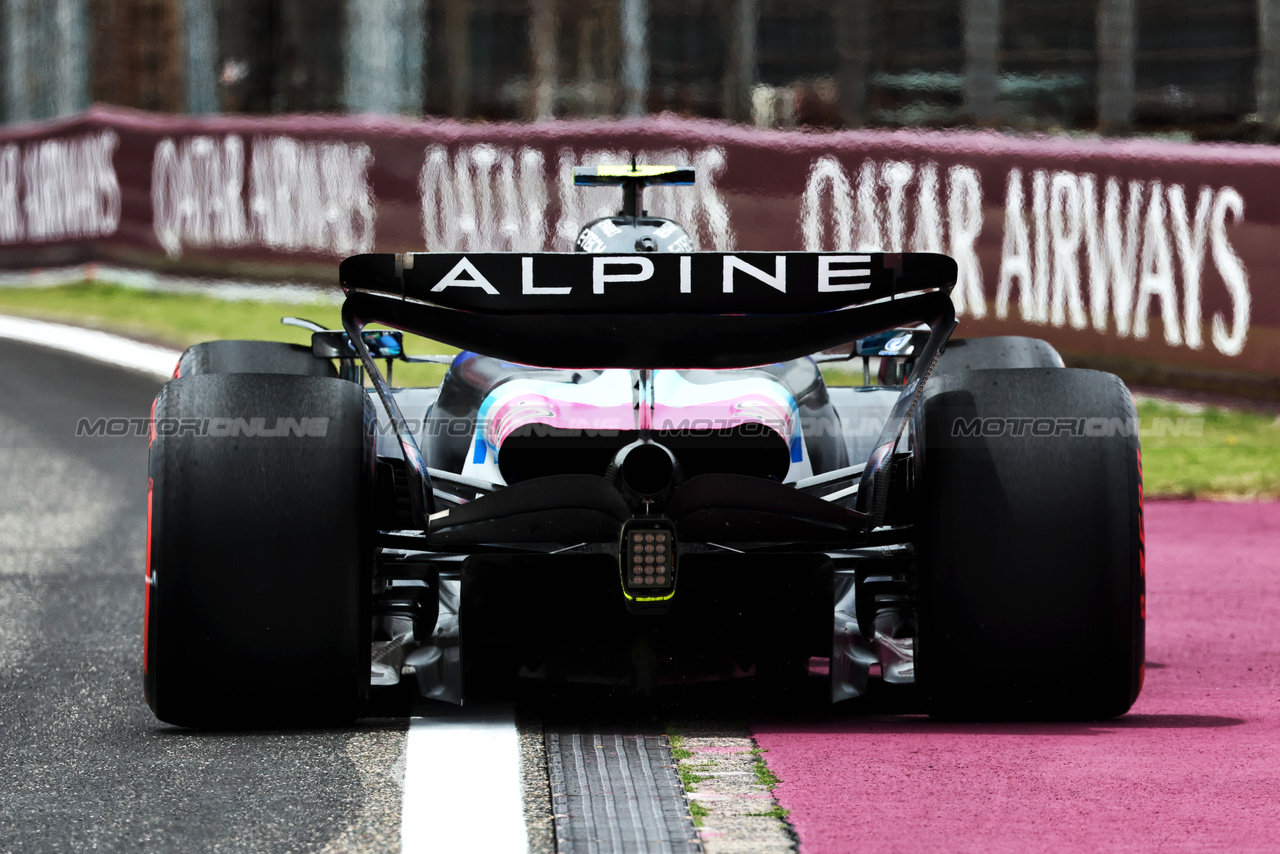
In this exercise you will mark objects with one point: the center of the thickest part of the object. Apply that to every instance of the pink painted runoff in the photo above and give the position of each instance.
(1195, 766)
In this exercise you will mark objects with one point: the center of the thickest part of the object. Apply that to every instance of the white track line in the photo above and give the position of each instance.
(149, 280)
(462, 784)
(462, 769)
(92, 344)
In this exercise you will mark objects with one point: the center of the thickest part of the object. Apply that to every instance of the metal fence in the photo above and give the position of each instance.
(1115, 66)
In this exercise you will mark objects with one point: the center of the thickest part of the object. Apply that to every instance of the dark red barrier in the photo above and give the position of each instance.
(1154, 258)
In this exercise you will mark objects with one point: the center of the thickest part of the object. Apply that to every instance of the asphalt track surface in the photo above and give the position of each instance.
(84, 765)
(1195, 766)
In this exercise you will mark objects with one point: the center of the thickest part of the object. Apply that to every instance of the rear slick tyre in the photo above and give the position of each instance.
(1031, 563)
(997, 351)
(259, 551)
(252, 357)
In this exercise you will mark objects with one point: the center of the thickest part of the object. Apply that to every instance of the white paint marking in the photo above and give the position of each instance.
(92, 344)
(462, 784)
(146, 280)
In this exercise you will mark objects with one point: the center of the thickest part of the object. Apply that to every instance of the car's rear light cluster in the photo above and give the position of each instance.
(647, 559)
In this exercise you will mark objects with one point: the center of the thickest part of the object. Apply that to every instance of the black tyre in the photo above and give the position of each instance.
(998, 351)
(1031, 567)
(252, 357)
(259, 551)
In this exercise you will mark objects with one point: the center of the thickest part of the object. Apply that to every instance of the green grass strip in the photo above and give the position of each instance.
(182, 319)
(1208, 452)
(678, 750)
(764, 776)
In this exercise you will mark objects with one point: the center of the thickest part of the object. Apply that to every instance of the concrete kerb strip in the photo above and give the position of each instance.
(92, 344)
(738, 810)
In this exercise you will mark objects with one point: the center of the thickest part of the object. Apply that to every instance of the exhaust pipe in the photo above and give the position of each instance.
(645, 471)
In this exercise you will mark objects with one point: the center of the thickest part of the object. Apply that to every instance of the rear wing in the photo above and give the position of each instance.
(702, 310)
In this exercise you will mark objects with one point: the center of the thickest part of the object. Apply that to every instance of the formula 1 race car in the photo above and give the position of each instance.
(636, 473)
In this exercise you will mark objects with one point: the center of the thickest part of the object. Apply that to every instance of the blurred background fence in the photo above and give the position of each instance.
(1184, 67)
